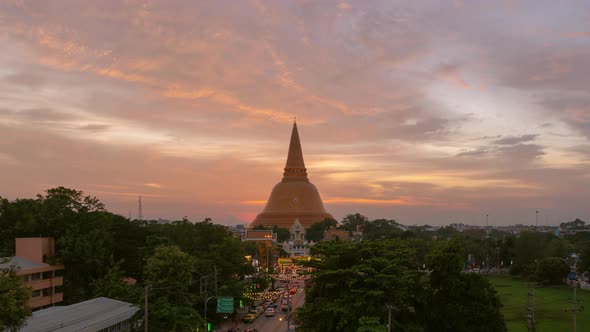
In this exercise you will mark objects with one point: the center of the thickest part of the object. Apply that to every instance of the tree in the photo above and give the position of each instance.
(316, 231)
(552, 270)
(381, 229)
(86, 249)
(353, 221)
(354, 280)
(584, 263)
(169, 273)
(529, 247)
(370, 324)
(129, 242)
(14, 296)
(282, 233)
(456, 301)
(114, 285)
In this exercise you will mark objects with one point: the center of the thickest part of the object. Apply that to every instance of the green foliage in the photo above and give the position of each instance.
(85, 248)
(584, 263)
(316, 231)
(353, 280)
(353, 221)
(370, 324)
(552, 270)
(459, 301)
(282, 233)
(381, 229)
(114, 285)
(13, 300)
(447, 232)
(169, 273)
(530, 246)
(129, 243)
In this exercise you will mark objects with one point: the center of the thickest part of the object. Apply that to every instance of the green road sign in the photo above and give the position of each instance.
(225, 305)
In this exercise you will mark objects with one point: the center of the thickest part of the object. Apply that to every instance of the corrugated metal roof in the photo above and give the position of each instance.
(89, 316)
(21, 263)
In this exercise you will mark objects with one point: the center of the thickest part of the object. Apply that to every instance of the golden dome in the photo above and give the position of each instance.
(294, 197)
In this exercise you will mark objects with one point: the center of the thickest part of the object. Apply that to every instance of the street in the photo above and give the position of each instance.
(279, 321)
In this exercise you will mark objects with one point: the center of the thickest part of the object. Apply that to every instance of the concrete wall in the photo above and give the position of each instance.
(34, 248)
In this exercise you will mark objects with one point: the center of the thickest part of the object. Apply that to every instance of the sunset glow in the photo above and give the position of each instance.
(423, 112)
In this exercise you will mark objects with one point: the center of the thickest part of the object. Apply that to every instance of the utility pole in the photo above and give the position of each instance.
(140, 212)
(574, 309)
(537, 219)
(389, 308)
(486, 221)
(145, 308)
(531, 322)
(215, 269)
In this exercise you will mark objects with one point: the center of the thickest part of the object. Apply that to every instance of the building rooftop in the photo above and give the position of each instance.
(89, 316)
(21, 263)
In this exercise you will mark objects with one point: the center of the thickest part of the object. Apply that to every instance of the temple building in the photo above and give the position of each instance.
(294, 197)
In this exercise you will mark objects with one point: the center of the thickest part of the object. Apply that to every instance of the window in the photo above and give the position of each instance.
(48, 275)
(36, 293)
(36, 276)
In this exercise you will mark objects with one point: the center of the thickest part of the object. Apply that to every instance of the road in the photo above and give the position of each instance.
(278, 322)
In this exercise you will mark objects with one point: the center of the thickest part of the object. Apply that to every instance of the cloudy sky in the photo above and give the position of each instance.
(420, 111)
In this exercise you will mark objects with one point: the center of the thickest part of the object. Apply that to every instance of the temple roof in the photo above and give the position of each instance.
(295, 166)
(294, 197)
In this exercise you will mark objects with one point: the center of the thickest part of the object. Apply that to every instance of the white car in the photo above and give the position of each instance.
(270, 312)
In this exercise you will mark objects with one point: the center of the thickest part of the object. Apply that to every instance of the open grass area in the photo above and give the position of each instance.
(550, 304)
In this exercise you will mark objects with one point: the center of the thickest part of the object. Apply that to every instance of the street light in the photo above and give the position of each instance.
(268, 242)
(205, 311)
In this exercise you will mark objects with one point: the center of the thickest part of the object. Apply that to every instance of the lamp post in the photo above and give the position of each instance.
(268, 243)
(205, 311)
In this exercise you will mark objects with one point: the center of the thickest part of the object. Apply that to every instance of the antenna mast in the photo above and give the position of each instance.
(140, 217)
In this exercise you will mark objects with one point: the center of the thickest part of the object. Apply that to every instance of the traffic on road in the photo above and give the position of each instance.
(274, 314)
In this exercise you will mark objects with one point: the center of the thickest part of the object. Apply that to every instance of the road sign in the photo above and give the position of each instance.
(225, 305)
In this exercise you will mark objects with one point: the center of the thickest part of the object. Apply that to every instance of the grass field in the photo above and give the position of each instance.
(550, 304)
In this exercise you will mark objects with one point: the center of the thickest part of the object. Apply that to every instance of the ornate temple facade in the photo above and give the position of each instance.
(294, 197)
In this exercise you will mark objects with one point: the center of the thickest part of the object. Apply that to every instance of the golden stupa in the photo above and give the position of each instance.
(294, 197)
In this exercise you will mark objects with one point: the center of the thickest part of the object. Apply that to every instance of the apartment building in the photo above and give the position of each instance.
(31, 261)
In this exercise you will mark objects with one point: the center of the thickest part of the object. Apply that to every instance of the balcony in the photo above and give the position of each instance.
(45, 300)
(45, 283)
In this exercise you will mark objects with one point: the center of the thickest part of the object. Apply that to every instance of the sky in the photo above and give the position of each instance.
(426, 112)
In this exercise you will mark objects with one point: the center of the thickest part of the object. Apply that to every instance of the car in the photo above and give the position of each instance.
(284, 307)
(249, 318)
(250, 330)
(270, 312)
(234, 329)
(272, 305)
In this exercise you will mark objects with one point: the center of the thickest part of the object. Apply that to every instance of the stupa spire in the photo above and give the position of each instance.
(295, 166)
(294, 197)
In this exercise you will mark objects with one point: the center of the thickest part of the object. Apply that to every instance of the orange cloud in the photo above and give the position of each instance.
(259, 202)
(576, 34)
(370, 201)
